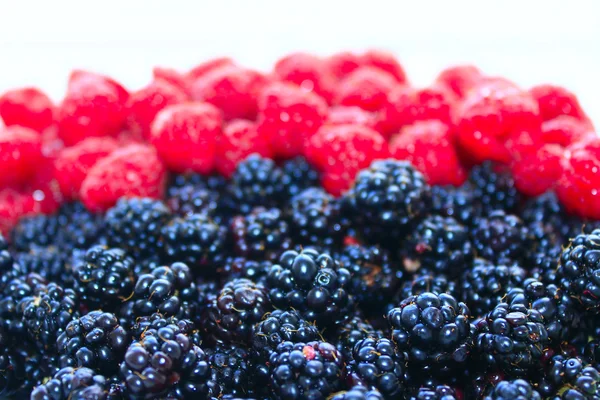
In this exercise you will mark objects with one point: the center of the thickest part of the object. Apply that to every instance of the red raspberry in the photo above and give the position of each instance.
(13, 205)
(589, 143)
(240, 138)
(429, 146)
(538, 172)
(28, 107)
(341, 151)
(94, 106)
(579, 185)
(384, 61)
(555, 101)
(341, 115)
(44, 189)
(73, 163)
(232, 89)
(366, 87)
(173, 77)
(132, 171)
(185, 136)
(307, 71)
(564, 130)
(144, 104)
(20, 154)
(288, 117)
(343, 63)
(207, 66)
(460, 79)
(520, 144)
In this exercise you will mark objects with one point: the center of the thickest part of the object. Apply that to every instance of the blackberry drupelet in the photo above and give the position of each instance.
(387, 200)
(195, 240)
(11, 294)
(543, 258)
(96, 341)
(104, 278)
(501, 236)
(313, 284)
(240, 267)
(262, 234)
(458, 203)
(439, 244)
(352, 332)
(569, 379)
(230, 316)
(378, 363)
(134, 224)
(78, 383)
(358, 393)
(50, 263)
(494, 190)
(156, 321)
(216, 183)
(315, 218)
(427, 281)
(437, 392)
(231, 372)
(517, 389)
(298, 175)
(434, 330)
(485, 284)
(190, 199)
(547, 210)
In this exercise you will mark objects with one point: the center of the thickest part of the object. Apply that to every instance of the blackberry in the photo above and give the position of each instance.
(592, 353)
(434, 330)
(352, 332)
(501, 236)
(543, 258)
(230, 316)
(6, 259)
(427, 281)
(358, 393)
(313, 284)
(134, 224)
(231, 372)
(240, 267)
(215, 183)
(315, 218)
(437, 392)
(387, 199)
(195, 240)
(547, 210)
(50, 263)
(190, 199)
(579, 270)
(378, 363)
(96, 340)
(104, 278)
(281, 326)
(78, 383)
(12, 365)
(11, 295)
(494, 190)
(156, 322)
(517, 389)
(262, 234)
(439, 244)
(298, 175)
(485, 284)
(458, 203)
(46, 314)
(257, 181)
(569, 379)
(311, 370)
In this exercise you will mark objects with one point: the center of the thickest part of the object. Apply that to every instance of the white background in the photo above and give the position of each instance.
(528, 41)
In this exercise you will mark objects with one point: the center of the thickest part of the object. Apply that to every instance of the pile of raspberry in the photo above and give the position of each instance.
(323, 230)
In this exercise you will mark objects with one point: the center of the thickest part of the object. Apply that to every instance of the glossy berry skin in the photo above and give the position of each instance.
(518, 389)
(352, 332)
(427, 281)
(458, 203)
(231, 371)
(78, 383)
(358, 392)
(494, 190)
(569, 378)
(501, 236)
(435, 392)
(28, 107)
(298, 175)
(313, 284)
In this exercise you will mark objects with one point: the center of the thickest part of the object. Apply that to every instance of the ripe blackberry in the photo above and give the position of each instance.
(311, 370)
(439, 244)
(96, 340)
(591, 353)
(257, 181)
(240, 267)
(352, 332)
(313, 284)
(230, 316)
(434, 330)
(547, 210)
(46, 314)
(315, 218)
(543, 257)
(378, 363)
(358, 393)
(50, 263)
(579, 270)
(156, 321)
(427, 281)
(262, 234)
(195, 240)
(298, 175)
(569, 379)
(517, 389)
(11, 294)
(231, 372)
(12, 365)
(78, 383)
(437, 392)
(216, 183)
(387, 199)
(281, 326)
(134, 224)
(458, 203)
(494, 190)
(6, 259)
(104, 278)
(485, 284)
(190, 199)
(501, 236)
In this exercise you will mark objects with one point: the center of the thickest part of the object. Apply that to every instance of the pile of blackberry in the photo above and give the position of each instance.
(265, 286)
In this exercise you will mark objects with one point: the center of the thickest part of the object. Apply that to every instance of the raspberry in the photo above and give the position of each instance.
(132, 171)
(173, 77)
(232, 89)
(289, 116)
(73, 163)
(307, 71)
(385, 62)
(428, 145)
(564, 130)
(144, 104)
(341, 151)
(93, 106)
(580, 183)
(185, 136)
(555, 101)
(343, 63)
(28, 107)
(20, 154)
(538, 172)
(240, 138)
(366, 87)
(207, 66)
(341, 115)
(460, 79)
(13, 206)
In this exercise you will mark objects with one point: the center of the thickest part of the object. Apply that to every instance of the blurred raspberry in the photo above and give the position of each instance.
(366, 87)
(429, 146)
(564, 130)
(132, 171)
(538, 172)
(307, 71)
(207, 66)
(460, 79)
(240, 138)
(173, 77)
(44, 188)
(13, 206)
(343, 63)
(555, 101)
(579, 185)
(185, 135)
(341, 115)
(232, 89)
(289, 116)
(20, 154)
(28, 107)
(384, 61)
